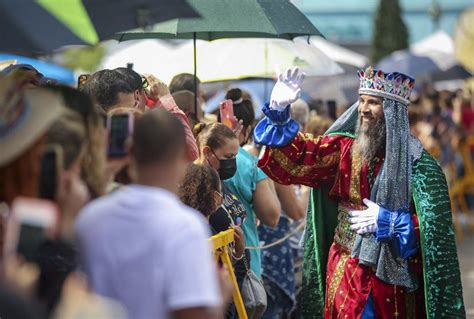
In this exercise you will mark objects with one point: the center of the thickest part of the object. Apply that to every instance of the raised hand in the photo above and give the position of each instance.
(156, 88)
(287, 89)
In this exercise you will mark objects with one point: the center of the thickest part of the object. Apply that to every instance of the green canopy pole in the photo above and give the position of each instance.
(195, 79)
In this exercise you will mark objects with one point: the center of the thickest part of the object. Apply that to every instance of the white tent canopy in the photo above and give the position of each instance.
(339, 53)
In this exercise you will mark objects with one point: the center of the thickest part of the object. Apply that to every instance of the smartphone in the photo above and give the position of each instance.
(120, 129)
(82, 79)
(226, 109)
(32, 221)
(50, 171)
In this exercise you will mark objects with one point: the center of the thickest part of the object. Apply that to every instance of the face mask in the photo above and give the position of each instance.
(227, 167)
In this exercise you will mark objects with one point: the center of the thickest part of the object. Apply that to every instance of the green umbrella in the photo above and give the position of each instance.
(232, 19)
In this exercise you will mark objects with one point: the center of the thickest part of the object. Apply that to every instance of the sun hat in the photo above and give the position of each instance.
(25, 114)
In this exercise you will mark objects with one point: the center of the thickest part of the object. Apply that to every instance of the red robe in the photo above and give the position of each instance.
(327, 160)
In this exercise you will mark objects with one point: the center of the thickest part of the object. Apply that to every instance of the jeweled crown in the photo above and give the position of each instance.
(396, 86)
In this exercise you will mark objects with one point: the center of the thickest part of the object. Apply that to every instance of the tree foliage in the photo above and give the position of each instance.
(390, 32)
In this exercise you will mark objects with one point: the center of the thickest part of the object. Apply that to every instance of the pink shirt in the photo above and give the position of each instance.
(169, 104)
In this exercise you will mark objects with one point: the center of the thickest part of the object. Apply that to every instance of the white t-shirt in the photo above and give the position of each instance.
(141, 246)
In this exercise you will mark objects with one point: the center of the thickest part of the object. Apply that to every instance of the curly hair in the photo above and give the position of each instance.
(198, 187)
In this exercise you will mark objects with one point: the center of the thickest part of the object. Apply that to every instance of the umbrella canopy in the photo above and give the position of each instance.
(464, 40)
(231, 59)
(56, 72)
(439, 47)
(339, 53)
(147, 56)
(233, 19)
(457, 72)
(45, 25)
(409, 63)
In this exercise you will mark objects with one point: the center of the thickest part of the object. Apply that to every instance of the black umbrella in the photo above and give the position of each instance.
(44, 25)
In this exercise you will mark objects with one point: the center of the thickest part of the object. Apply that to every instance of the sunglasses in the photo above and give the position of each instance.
(145, 83)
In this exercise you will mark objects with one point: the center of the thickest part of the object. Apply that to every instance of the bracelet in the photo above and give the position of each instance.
(237, 258)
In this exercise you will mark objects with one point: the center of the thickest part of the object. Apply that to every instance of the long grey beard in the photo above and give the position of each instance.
(370, 140)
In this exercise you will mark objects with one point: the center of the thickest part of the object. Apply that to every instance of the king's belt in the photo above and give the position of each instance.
(344, 236)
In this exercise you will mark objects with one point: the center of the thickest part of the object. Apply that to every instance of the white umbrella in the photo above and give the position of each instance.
(339, 53)
(231, 59)
(146, 55)
(439, 46)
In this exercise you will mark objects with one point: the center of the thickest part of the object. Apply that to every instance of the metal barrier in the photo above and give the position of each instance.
(220, 246)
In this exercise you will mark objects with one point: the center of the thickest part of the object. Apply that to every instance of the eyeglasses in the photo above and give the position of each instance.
(145, 83)
(225, 158)
(219, 194)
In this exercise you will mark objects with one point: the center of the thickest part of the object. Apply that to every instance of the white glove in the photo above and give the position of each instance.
(287, 89)
(365, 221)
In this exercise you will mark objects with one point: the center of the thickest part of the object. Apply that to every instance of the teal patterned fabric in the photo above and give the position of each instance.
(442, 280)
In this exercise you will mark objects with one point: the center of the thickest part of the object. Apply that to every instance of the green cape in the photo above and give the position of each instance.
(442, 280)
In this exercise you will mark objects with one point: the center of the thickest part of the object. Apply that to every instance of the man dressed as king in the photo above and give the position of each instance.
(379, 239)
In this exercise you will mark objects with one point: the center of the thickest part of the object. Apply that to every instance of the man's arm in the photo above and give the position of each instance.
(289, 202)
(266, 204)
(159, 92)
(305, 160)
(196, 313)
(169, 104)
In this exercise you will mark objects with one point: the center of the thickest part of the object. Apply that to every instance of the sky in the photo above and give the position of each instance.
(351, 21)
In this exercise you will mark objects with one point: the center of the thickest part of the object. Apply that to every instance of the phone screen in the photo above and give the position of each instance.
(120, 128)
(30, 238)
(33, 220)
(48, 183)
(226, 109)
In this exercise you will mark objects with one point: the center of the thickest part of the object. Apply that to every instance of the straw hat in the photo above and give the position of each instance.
(24, 116)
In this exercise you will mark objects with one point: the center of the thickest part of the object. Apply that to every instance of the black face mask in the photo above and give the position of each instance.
(227, 168)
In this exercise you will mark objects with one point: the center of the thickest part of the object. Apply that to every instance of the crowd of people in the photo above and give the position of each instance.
(130, 237)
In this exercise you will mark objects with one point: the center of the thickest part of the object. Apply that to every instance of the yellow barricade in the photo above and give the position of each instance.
(220, 243)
